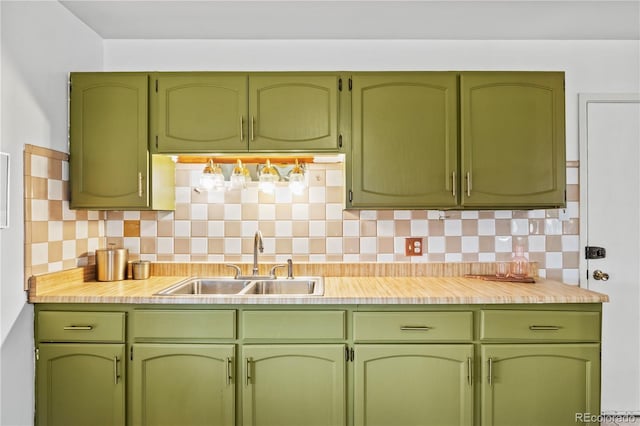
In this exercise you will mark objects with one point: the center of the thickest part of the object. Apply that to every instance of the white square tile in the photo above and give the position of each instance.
(198, 212)
(149, 257)
(368, 215)
(300, 245)
(93, 244)
(570, 243)
(317, 228)
(248, 228)
(283, 195)
(317, 194)
(470, 244)
(131, 215)
(419, 227)
(471, 214)
(82, 230)
(486, 227)
(519, 226)
(573, 209)
(249, 195)
(182, 228)
(198, 246)
(503, 244)
(269, 245)
(385, 257)
(553, 260)
(69, 249)
(486, 257)
(39, 253)
(55, 267)
(65, 171)
(434, 214)
(232, 212)
(503, 214)
(537, 243)
(402, 214)
(452, 227)
(39, 166)
(182, 258)
(317, 258)
(233, 245)
(55, 230)
(266, 211)
(537, 214)
(54, 189)
(368, 245)
(542, 273)
(351, 228)
(67, 213)
(334, 178)
(334, 211)
(300, 211)
(453, 257)
(133, 244)
(39, 210)
(571, 276)
(216, 197)
(552, 226)
(351, 258)
(148, 228)
(284, 228)
(398, 245)
(334, 245)
(385, 228)
(435, 245)
(215, 228)
(573, 176)
(165, 215)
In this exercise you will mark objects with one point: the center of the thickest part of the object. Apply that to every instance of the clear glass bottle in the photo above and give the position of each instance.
(519, 267)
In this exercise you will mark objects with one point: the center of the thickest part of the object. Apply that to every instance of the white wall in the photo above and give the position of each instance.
(590, 66)
(41, 43)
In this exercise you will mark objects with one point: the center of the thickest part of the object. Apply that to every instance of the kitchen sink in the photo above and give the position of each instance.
(205, 286)
(227, 286)
(301, 286)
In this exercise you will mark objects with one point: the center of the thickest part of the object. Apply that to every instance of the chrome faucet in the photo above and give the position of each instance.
(257, 245)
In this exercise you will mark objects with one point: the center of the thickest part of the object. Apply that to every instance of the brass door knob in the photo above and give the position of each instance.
(599, 275)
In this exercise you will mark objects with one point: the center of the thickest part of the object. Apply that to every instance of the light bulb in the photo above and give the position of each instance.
(297, 182)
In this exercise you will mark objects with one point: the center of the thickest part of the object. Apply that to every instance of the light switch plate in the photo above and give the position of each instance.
(413, 247)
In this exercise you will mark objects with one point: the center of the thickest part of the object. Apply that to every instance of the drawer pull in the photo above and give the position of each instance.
(116, 376)
(248, 372)
(229, 371)
(415, 328)
(78, 327)
(490, 375)
(544, 327)
(470, 371)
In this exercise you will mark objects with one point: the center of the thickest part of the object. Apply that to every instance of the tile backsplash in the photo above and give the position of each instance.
(216, 226)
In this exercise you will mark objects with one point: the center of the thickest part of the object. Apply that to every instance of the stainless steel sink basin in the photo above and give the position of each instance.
(311, 286)
(227, 286)
(205, 286)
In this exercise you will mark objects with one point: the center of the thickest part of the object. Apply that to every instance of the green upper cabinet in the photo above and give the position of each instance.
(293, 112)
(238, 112)
(512, 139)
(79, 384)
(539, 384)
(110, 165)
(417, 384)
(201, 112)
(404, 140)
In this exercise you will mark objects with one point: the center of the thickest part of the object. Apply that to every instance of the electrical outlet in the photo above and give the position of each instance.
(413, 247)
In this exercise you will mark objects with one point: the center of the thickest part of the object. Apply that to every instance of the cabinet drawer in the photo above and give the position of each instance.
(293, 325)
(412, 326)
(54, 326)
(184, 325)
(540, 325)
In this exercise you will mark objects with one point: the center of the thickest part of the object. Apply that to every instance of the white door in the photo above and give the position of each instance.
(610, 218)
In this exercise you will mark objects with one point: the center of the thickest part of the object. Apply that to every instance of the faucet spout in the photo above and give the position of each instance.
(257, 245)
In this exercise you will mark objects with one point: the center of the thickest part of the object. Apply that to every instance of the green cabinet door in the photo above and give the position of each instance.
(80, 384)
(293, 385)
(404, 140)
(539, 384)
(413, 385)
(108, 140)
(200, 112)
(183, 384)
(513, 140)
(293, 112)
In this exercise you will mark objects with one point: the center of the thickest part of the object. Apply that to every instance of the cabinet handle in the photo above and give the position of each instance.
(453, 186)
(248, 367)
(140, 184)
(229, 376)
(241, 128)
(78, 327)
(470, 371)
(468, 184)
(490, 376)
(116, 376)
(544, 327)
(253, 124)
(415, 328)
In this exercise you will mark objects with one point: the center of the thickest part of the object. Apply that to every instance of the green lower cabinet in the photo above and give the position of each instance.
(413, 385)
(539, 384)
(293, 385)
(80, 384)
(183, 384)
